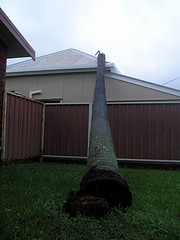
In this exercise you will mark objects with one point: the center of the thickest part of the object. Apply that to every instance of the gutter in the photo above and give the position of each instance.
(75, 69)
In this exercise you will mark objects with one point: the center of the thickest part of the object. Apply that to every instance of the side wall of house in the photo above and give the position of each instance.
(3, 57)
(117, 90)
(79, 87)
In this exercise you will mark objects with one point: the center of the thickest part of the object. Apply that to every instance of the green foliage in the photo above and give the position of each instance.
(32, 196)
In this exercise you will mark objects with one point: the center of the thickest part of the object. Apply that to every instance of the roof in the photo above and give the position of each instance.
(69, 60)
(17, 44)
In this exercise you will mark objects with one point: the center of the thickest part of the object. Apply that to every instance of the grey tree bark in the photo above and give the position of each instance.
(103, 178)
(103, 185)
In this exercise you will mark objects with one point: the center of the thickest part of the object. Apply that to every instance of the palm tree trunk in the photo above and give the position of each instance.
(103, 178)
(103, 186)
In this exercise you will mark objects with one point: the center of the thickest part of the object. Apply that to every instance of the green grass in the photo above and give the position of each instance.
(31, 198)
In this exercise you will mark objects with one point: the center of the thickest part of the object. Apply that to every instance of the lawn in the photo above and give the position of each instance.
(32, 196)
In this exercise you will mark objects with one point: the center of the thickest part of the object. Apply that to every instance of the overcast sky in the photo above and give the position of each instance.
(142, 37)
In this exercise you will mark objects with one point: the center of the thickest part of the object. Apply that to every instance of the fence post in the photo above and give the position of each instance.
(42, 135)
(3, 135)
(89, 127)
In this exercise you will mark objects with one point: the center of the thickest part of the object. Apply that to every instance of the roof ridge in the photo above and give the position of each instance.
(18, 63)
(55, 53)
(42, 56)
(83, 53)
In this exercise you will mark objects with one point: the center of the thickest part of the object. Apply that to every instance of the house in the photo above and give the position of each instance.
(69, 76)
(12, 44)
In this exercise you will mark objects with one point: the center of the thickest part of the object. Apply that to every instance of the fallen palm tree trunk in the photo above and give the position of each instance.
(103, 179)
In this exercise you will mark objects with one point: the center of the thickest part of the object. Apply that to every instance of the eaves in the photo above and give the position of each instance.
(10, 35)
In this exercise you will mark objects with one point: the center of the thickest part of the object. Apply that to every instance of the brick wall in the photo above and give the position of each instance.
(3, 57)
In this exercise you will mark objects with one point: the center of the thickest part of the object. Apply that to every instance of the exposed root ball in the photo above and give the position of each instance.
(87, 205)
(109, 185)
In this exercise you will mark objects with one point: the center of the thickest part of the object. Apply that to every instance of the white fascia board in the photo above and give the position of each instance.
(48, 72)
(143, 83)
(56, 71)
(115, 69)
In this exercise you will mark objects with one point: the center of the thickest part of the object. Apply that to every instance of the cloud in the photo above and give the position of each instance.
(141, 37)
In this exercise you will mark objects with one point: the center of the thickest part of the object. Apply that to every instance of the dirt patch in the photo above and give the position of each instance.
(87, 205)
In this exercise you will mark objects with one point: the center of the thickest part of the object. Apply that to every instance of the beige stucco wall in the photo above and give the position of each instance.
(79, 87)
(119, 91)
